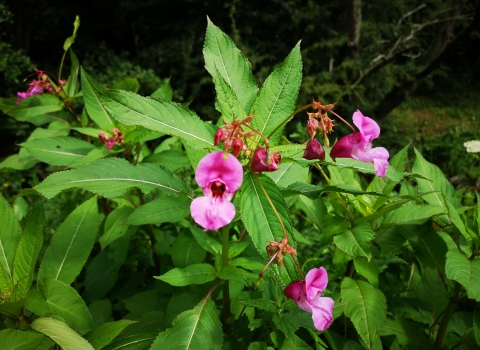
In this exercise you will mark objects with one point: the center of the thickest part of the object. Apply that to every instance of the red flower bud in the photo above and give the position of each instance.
(314, 150)
(102, 137)
(237, 145)
(265, 161)
(110, 143)
(219, 136)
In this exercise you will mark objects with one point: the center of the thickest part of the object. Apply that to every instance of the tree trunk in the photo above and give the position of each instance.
(354, 20)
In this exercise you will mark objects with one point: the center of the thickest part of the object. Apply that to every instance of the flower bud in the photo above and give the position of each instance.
(312, 126)
(110, 143)
(314, 150)
(237, 146)
(219, 136)
(102, 137)
(265, 161)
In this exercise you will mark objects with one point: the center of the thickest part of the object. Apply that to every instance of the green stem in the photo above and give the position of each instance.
(61, 66)
(288, 118)
(226, 290)
(446, 316)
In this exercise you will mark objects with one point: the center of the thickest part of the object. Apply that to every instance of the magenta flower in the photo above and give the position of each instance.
(34, 89)
(219, 179)
(359, 144)
(308, 296)
(264, 160)
(314, 150)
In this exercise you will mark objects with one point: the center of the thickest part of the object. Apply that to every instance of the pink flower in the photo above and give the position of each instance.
(261, 163)
(308, 296)
(314, 150)
(110, 143)
(359, 144)
(34, 89)
(219, 179)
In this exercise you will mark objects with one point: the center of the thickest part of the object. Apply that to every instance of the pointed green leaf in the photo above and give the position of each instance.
(34, 109)
(260, 220)
(71, 245)
(193, 274)
(112, 177)
(366, 308)
(431, 289)
(194, 329)
(115, 225)
(367, 269)
(227, 103)
(103, 335)
(10, 234)
(222, 56)
(71, 87)
(172, 160)
(58, 298)
(127, 84)
(21, 161)
(407, 333)
(95, 109)
(12, 339)
(164, 209)
(60, 333)
(412, 214)
(314, 209)
(278, 96)
(60, 150)
(186, 251)
(101, 274)
(356, 241)
(465, 271)
(133, 342)
(164, 92)
(208, 243)
(288, 173)
(29, 248)
(158, 115)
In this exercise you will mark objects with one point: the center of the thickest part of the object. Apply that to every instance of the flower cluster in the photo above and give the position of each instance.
(472, 146)
(308, 296)
(116, 137)
(220, 175)
(39, 86)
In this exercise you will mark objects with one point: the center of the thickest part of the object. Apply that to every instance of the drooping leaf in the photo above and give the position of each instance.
(13, 339)
(465, 271)
(158, 115)
(222, 56)
(60, 333)
(192, 274)
(112, 177)
(208, 243)
(277, 97)
(115, 225)
(29, 248)
(72, 85)
(366, 307)
(163, 209)
(60, 150)
(410, 215)
(103, 335)
(356, 241)
(95, 109)
(71, 245)
(58, 298)
(194, 329)
(10, 234)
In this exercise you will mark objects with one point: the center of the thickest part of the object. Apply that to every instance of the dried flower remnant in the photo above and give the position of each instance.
(219, 177)
(308, 296)
(359, 144)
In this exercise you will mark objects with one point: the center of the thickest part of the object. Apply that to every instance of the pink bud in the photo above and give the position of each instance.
(219, 136)
(102, 137)
(261, 163)
(110, 143)
(312, 126)
(314, 150)
(237, 145)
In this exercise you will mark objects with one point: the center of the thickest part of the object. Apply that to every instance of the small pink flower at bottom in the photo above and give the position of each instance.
(359, 145)
(308, 296)
(219, 179)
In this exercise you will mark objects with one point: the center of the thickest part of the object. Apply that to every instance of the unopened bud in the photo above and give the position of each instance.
(237, 146)
(265, 161)
(312, 126)
(219, 136)
(102, 137)
(314, 150)
(110, 143)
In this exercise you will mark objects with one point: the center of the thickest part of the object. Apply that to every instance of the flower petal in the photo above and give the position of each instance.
(315, 282)
(296, 291)
(380, 160)
(212, 213)
(343, 147)
(367, 126)
(214, 167)
(322, 310)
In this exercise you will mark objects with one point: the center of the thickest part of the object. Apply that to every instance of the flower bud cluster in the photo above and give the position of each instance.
(111, 141)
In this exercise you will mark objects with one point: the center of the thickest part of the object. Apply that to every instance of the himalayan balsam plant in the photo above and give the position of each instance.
(153, 229)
